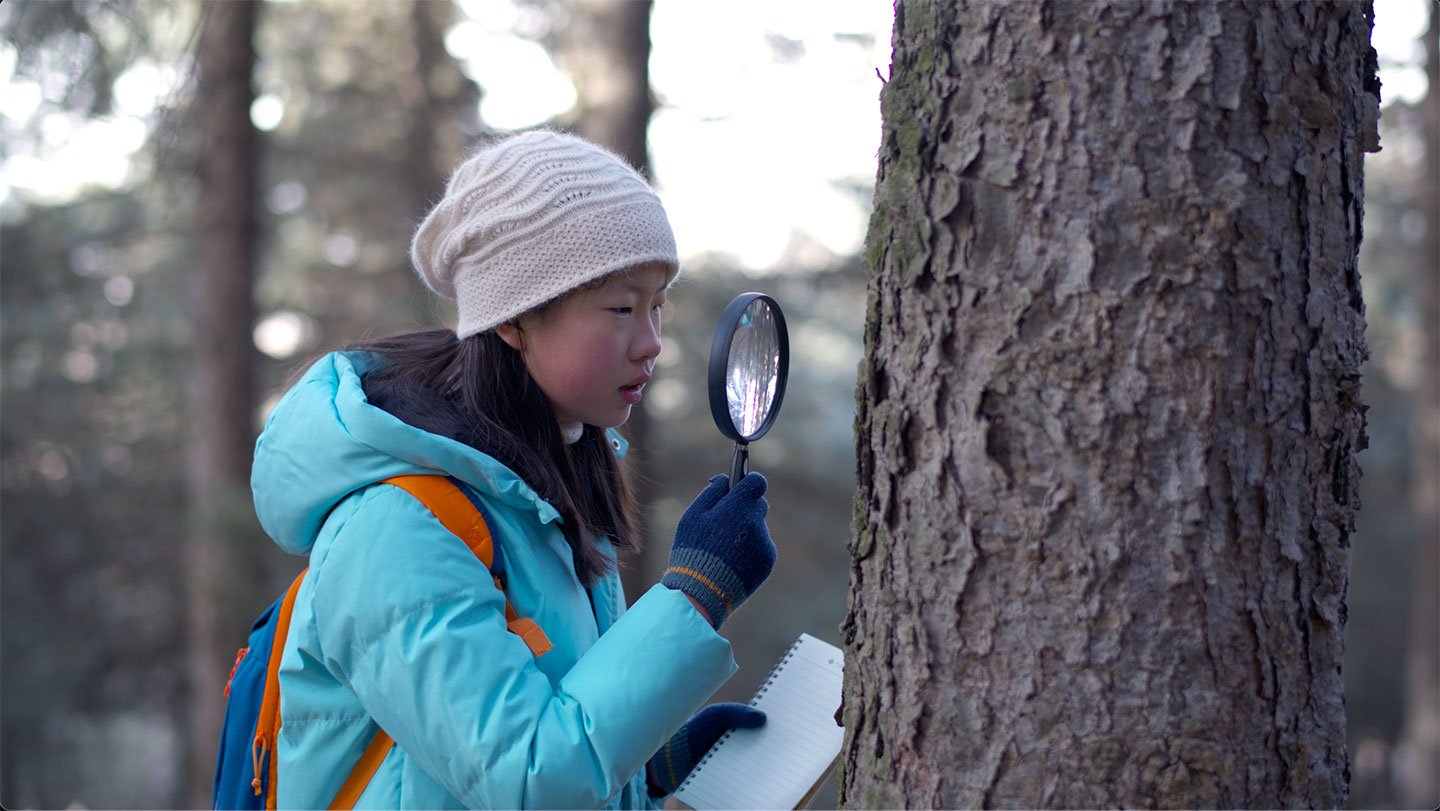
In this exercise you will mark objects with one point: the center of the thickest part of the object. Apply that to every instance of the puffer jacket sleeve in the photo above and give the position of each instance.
(412, 622)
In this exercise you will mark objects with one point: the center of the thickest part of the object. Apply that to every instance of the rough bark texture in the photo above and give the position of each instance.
(219, 395)
(1421, 734)
(1108, 416)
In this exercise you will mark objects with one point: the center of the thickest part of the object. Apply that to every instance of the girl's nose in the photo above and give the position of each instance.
(647, 343)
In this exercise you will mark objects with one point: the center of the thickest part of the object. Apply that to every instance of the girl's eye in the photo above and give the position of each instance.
(655, 309)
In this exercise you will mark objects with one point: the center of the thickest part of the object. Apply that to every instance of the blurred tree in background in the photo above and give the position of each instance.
(220, 380)
(361, 110)
(93, 333)
(1420, 735)
(114, 318)
(1391, 668)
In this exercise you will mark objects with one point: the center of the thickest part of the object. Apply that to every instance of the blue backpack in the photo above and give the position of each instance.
(245, 770)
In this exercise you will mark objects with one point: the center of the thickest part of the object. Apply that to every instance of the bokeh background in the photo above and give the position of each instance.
(762, 145)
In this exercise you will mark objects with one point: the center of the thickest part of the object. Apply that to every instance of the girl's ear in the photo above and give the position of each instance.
(510, 334)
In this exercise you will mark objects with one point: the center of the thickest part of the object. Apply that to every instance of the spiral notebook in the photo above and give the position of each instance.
(779, 765)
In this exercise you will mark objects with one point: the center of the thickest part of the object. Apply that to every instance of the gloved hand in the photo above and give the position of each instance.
(722, 551)
(672, 764)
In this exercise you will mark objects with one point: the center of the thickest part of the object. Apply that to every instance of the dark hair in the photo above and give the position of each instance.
(477, 391)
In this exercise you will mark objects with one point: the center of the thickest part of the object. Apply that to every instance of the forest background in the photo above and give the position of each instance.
(762, 145)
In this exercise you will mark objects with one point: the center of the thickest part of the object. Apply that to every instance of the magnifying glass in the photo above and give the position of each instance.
(749, 362)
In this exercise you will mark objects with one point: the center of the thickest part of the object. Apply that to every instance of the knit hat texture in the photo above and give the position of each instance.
(532, 217)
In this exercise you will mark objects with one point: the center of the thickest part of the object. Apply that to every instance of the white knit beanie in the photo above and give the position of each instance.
(532, 217)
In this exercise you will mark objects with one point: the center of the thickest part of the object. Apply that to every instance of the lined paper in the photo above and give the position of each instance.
(778, 765)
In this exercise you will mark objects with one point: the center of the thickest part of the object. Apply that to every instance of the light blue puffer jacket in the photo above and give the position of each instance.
(397, 622)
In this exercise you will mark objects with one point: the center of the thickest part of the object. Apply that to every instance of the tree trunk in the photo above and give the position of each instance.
(423, 150)
(606, 51)
(1108, 416)
(1420, 785)
(433, 142)
(219, 394)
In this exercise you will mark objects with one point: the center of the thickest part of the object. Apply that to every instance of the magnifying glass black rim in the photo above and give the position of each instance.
(720, 362)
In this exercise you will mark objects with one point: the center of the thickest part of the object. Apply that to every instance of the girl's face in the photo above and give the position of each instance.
(593, 351)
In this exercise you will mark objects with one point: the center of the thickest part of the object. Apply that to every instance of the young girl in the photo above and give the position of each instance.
(559, 257)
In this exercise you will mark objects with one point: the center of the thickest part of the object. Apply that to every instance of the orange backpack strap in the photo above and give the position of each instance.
(267, 728)
(363, 772)
(448, 503)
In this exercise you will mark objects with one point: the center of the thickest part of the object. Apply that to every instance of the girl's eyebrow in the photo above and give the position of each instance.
(633, 285)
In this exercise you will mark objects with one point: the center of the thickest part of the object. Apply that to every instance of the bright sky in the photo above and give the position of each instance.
(777, 139)
(769, 116)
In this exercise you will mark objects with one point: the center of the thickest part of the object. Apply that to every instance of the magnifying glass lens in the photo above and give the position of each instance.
(753, 368)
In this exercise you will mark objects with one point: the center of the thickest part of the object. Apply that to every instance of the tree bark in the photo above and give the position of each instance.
(1420, 737)
(220, 390)
(1108, 412)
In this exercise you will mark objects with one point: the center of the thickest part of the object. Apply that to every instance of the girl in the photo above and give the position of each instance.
(559, 257)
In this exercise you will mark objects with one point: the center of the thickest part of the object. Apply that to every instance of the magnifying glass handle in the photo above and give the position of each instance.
(740, 461)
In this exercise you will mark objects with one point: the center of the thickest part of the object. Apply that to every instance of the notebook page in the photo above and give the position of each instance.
(777, 765)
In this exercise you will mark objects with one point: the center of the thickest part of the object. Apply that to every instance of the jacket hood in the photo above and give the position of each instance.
(324, 440)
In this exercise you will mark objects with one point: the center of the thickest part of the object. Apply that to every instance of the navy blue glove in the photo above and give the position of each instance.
(722, 551)
(672, 764)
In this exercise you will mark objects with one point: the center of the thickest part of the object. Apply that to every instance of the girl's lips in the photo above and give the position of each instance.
(630, 393)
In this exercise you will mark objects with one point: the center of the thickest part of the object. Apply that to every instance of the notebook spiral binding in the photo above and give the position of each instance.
(764, 687)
